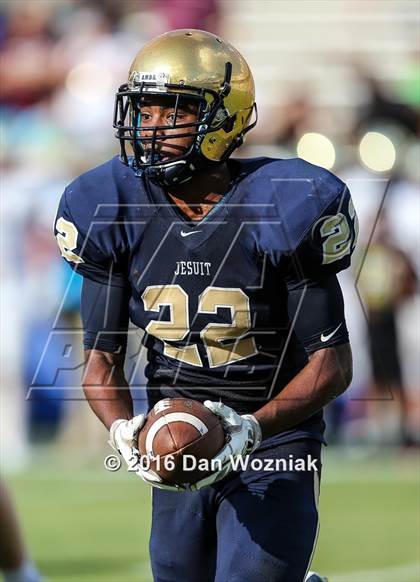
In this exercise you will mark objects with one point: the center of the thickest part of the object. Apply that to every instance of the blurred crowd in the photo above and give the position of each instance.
(60, 65)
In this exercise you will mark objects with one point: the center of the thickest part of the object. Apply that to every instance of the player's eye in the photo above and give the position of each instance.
(145, 116)
(179, 116)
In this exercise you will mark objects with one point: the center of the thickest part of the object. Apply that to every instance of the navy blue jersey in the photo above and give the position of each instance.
(212, 295)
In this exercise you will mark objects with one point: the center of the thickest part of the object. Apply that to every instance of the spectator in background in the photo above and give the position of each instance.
(383, 108)
(28, 71)
(297, 116)
(387, 279)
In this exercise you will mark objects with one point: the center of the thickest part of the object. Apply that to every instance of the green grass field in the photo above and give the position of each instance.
(86, 524)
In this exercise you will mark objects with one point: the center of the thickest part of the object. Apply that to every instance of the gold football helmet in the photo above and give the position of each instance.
(186, 66)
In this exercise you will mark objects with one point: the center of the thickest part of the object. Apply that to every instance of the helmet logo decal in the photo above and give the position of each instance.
(160, 78)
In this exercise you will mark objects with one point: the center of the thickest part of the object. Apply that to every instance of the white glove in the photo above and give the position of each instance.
(123, 437)
(243, 436)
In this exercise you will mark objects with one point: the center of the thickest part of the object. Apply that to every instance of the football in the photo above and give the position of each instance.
(179, 439)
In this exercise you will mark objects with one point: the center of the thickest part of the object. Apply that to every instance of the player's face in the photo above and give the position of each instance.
(161, 113)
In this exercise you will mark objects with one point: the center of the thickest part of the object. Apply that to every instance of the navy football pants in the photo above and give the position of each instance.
(250, 527)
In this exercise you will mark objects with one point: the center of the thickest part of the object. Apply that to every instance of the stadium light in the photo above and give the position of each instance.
(377, 152)
(317, 149)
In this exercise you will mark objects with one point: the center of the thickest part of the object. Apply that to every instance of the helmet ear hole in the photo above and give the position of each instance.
(229, 124)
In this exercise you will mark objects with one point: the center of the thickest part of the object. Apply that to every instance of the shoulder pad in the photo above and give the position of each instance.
(101, 193)
(93, 215)
(288, 197)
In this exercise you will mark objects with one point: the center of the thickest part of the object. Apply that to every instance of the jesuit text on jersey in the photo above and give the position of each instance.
(192, 268)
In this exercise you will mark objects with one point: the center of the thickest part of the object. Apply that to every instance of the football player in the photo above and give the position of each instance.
(229, 266)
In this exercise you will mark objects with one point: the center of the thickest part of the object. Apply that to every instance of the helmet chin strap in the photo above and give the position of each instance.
(180, 171)
(167, 175)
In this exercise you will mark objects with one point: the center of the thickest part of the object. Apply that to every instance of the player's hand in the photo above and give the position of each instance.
(243, 436)
(123, 438)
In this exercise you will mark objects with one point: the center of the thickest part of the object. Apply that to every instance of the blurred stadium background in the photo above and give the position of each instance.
(338, 84)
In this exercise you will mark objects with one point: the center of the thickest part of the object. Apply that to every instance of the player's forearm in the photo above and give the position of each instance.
(327, 374)
(106, 388)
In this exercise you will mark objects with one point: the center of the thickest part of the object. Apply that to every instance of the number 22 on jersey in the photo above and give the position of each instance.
(214, 336)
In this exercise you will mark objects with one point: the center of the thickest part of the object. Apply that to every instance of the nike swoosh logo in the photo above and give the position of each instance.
(188, 233)
(325, 338)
